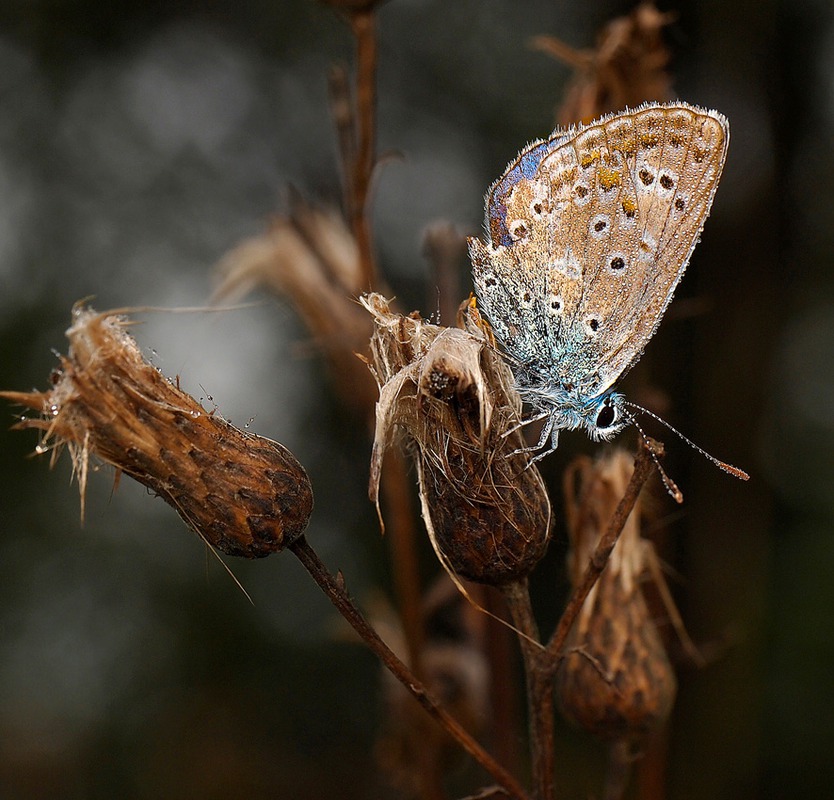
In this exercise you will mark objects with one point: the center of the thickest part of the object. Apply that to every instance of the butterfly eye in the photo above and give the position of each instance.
(606, 417)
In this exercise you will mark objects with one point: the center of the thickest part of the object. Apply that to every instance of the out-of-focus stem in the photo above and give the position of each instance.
(363, 25)
(400, 517)
(539, 688)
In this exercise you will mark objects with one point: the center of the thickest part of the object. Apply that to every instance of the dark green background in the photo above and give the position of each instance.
(138, 142)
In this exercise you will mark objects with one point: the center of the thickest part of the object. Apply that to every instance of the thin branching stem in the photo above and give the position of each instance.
(335, 591)
(403, 538)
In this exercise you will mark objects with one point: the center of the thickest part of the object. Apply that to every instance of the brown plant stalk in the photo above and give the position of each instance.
(335, 591)
(539, 688)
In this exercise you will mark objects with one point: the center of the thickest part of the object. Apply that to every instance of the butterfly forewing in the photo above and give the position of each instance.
(591, 231)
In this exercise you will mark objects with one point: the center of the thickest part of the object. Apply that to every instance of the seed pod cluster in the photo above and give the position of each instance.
(243, 494)
(487, 513)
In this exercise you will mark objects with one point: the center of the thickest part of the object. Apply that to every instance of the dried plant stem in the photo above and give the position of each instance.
(363, 25)
(644, 463)
(504, 701)
(539, 688)
(619, 767)
(400, 516)
(337, 594)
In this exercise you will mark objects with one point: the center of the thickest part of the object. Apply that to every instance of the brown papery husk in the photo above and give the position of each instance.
(616, 680)
(487, 512)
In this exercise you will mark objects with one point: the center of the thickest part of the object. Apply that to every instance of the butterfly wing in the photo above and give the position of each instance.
(590, 233)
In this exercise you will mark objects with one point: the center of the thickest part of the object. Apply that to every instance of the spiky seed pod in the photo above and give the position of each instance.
(243, 494)
(488, 515)
(616, 680)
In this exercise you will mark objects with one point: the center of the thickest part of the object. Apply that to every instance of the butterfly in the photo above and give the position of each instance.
(588, 233)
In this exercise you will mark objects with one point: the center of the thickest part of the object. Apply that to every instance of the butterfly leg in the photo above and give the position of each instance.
(549, 431)
(542, 439)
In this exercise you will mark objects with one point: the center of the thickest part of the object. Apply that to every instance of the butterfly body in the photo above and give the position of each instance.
(589, 232)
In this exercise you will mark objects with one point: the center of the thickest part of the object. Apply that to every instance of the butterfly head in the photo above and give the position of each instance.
(602, 416)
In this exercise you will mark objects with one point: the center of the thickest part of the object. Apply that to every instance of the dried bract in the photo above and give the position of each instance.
(244, 494)
(616, 680)
(487, 513)
(310, 258)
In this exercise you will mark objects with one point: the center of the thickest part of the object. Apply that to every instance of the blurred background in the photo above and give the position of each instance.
(140, 141)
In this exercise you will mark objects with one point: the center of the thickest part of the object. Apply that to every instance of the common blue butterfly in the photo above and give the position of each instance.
(589, 232)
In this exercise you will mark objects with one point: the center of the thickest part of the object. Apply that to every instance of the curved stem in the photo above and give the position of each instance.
(539, 688)
(335, 591)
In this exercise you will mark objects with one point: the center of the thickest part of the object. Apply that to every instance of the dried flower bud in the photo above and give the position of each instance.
(243, 494)
(616, 680)
(487, 513)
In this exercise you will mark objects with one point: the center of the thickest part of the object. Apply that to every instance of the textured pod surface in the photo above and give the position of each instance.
(243, 494)
(616, 680)
(489, 533)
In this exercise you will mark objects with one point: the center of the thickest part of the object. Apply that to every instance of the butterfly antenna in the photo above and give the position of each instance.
(729, 468)
(671, 487)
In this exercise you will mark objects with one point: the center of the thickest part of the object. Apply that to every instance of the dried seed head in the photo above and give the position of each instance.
(488, 515)
(310, 257)
(627, 67)
(244, 494)
(616, 680)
